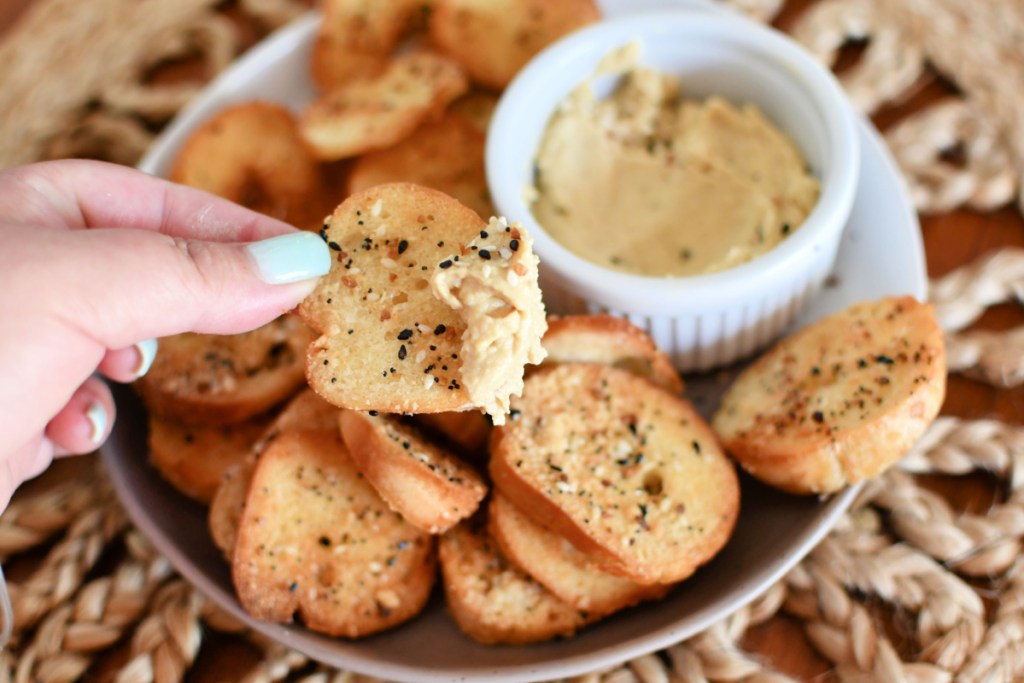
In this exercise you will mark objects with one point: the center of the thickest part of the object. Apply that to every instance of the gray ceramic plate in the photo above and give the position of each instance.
(774, 530)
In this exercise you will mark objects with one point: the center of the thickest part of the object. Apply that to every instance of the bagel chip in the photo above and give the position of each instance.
(426, 308)
(840, 400)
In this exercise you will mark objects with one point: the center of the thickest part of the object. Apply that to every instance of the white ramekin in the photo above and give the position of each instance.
(709, 320)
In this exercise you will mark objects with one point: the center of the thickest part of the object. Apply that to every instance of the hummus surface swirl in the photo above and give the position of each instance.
(645, 182)
(505, 318)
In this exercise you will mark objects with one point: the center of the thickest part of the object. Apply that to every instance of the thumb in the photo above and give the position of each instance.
(119, 286)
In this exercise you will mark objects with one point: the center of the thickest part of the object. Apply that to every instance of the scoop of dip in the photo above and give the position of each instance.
(500, 301)
(645, 182)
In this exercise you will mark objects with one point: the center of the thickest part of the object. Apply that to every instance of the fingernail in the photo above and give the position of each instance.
(147, 353)
(96, 414)
(290, 258)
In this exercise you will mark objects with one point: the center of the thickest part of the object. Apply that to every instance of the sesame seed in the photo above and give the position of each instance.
(402, 246)
(447, 263)
(405, 334)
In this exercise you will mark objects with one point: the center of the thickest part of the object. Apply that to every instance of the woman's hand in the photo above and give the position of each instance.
(96, 262)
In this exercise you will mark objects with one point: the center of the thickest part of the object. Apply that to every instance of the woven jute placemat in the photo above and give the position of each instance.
(910, 586)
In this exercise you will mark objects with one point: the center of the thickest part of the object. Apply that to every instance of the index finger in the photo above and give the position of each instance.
(79, 193)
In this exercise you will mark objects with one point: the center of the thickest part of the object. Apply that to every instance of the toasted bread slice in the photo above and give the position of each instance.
(427, 308)
(317, 542)
(275, 177)
(612, 341)
(430, 487)
(194, 458)
(447, 155)
(305, 411)
(468, 432)
(223, 379)
(626, 471)
(377, 111)
(228, 504)
(554, 563)
(492, 601)
(355, 39)
(494, 39)
(840, 400)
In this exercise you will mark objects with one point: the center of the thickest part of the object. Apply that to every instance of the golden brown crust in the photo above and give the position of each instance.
(840, 400)
(447, 155)
(194, 458)
(317, 542)
(430, 487)
(554, 563)
(276, 177)
(223, 379)
(367, 333)
(492, 601)
(355, 39)
(585, 438)
(228, 504)
(378, 111)
(612, 341)
(494, 39)
(305, 411)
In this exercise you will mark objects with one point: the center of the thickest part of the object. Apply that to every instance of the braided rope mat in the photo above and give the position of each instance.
(908, 587)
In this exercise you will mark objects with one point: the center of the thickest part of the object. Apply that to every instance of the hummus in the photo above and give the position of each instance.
(645, 182)
(500, 301)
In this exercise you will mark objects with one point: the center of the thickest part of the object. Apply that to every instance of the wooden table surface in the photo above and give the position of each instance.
(950, 240)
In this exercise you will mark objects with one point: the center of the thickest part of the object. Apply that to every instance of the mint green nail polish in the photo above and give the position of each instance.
(290, 258)
(147, 353)
(96, 414)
